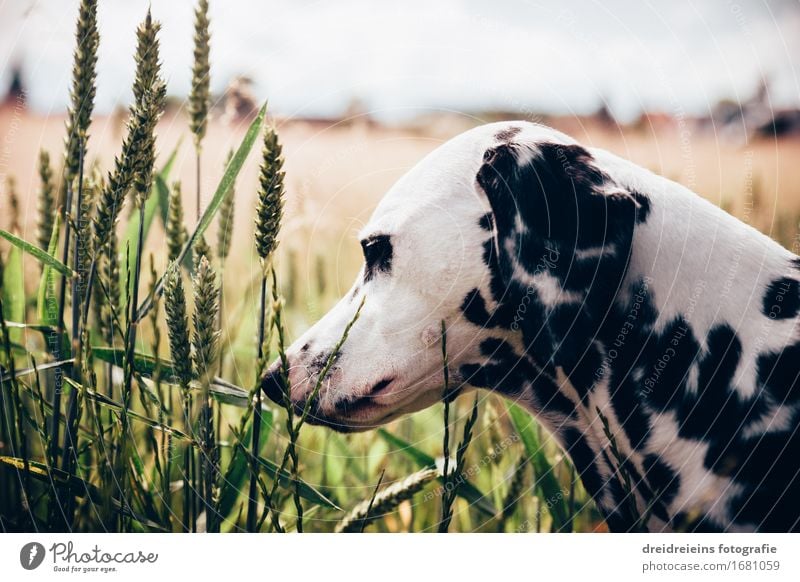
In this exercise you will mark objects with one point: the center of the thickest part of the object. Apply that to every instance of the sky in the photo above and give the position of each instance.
(412, 57)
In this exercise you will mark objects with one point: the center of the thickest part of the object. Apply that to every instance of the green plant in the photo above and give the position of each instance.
(385, 501)
(47, 204)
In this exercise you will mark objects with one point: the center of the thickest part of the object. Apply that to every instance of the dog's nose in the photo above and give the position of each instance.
(272, 383)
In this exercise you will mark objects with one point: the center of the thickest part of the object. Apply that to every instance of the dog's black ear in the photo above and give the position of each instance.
(557, 193)
(562, 235)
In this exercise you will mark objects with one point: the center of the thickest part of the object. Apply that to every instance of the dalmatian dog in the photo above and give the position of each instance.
(588, 290)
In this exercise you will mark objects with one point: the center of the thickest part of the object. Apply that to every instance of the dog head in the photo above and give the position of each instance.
(468, 238)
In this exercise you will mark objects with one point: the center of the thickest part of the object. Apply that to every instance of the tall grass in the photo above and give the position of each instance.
(116, 414)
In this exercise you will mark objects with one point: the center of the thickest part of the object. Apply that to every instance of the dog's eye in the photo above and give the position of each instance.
(377, 254)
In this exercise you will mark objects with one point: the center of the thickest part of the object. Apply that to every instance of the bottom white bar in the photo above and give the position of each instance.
(409, 557)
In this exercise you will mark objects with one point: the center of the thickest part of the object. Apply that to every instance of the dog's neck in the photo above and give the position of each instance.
(631, 386)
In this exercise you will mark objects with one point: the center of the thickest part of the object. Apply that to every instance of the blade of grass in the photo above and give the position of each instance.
(37, 253)
(46, 297)
(237, 469)
(13, 292)
(546, 482)
(106, 402)
(288, 482)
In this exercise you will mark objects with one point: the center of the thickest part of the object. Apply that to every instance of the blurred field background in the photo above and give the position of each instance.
(338, 169)
(740, 154)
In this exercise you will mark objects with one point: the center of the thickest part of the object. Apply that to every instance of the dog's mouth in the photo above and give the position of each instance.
(357, 417)
(353, 414)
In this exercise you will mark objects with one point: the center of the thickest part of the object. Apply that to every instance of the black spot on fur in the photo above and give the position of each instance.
(584, 458)
(782, 299)
(668, 358)
(556, 190)
(377, 254)
(664, 483)
(486, 222)
(510, 374)
(508, 133)
(779, 372)
(715, 410)
(474, 309)
(643, 211)
(768, 465)
(504, 309)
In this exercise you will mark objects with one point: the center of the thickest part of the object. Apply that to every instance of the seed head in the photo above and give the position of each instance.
(201, 250)
(269, 209)
(226, 211)
(150, 93)
(176, 231)
(177, 325)
(385, 501)
(108, 276)
(82, 92)
(206, 306)
(13, 203)
(200, 96)
(46, 206)
(135, 164)
(120, 179)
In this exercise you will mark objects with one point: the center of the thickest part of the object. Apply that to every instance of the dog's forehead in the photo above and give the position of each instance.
(445, 178)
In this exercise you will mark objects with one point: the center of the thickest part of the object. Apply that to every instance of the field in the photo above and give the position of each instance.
(140, 464)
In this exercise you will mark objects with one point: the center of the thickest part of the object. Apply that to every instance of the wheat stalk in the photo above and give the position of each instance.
(450, 493)
(46, 203)
(82, 93)
(106, 299)
(83, 89)
(269, 211)
(226, 211)
(200, 95)
(178, 326)
(176, 230)
(140, 125)
(13, 202)
(79, 117)
(515, 489)
(150, 92)
(385, 501)
(204, 340)
(180, 351)
(204, 343)
(269, 208)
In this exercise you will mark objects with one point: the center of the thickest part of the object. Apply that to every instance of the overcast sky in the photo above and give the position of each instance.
(411, 56)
